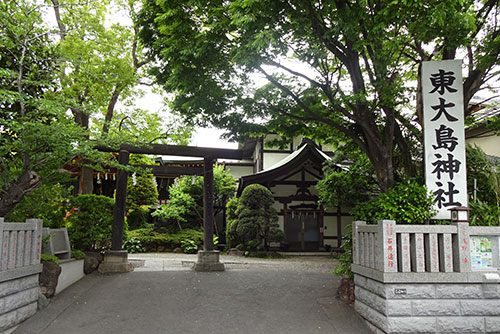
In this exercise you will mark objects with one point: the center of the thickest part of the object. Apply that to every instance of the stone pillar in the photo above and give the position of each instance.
(461, 252)
(115, 262)
(386, 246)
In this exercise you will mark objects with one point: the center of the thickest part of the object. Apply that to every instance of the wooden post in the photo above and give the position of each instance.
(208, 204)
(119, 209)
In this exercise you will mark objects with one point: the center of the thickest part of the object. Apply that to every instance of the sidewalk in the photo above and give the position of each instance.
(293, 296)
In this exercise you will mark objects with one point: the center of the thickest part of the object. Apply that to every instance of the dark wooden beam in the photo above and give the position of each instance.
(293, 183)
(173, 170)
(120, 199)
(177, 150)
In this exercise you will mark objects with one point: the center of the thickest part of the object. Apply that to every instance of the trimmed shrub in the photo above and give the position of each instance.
(256, 224)
(89, 227)
(152, 240)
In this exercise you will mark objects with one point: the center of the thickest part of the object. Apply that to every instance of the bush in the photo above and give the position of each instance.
(137, 217)
(257, 221)
(77, 254)
(143, 192)
(152, 240)
(90, 227)
(134, 245)
(406, 203)
(47, 202)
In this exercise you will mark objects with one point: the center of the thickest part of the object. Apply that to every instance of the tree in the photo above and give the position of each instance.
(254, 223)
(36, 136)
(354, 57)
(101, 70)
(185, 204)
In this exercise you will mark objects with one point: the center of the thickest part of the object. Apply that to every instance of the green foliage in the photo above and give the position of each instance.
(47, 202)
(143, 192)
(256, 224)
(49, 258)
(77, 254)
(485, 173)
(347, 187)
(264, 255)
(189, 246)
(137, 217)
(346, 70)
(134, 245)
(185, 205)
(484, 214)
(406, 203)
(345, 259)
(90, 227)
(152, 240)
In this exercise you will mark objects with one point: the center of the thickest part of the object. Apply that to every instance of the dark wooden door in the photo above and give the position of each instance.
(302, 230)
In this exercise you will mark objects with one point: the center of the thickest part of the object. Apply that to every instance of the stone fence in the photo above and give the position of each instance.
(19, 269)
(427, 278)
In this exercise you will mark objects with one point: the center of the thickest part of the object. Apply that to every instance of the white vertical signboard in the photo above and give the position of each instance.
(444, 142)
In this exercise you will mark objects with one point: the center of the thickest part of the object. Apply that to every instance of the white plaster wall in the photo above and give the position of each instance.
(273, 158)
(239, 171)
(490, 145)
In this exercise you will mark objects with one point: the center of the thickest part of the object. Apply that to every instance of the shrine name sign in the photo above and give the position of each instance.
(444, 135)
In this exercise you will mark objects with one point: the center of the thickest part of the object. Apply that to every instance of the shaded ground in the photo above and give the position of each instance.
(293, 296)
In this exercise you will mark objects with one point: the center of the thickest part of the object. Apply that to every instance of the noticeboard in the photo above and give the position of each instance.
(481, 252)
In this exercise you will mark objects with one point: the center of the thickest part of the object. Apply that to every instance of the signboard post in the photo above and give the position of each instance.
(444, 136)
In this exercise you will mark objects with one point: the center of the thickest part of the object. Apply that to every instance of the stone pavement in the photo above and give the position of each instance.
(293, 296)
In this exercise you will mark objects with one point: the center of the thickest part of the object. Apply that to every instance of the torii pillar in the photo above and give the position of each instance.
(116, 259)
(208, 258)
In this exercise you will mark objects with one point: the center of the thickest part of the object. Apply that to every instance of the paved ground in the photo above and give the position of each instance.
(293, 296)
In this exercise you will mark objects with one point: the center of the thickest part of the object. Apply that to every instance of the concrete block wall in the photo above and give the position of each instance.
(436, 307)
(18, 301)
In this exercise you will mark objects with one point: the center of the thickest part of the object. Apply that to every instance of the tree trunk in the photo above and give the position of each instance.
(15, 192)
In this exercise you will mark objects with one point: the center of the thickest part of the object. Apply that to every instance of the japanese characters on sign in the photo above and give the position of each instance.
(444, 143)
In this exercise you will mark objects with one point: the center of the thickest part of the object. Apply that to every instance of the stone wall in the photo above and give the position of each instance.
(18, 301)
(430, 307)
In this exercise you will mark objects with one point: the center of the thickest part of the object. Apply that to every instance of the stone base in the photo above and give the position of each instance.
(115, 262)
(208, 261)
(433, 307)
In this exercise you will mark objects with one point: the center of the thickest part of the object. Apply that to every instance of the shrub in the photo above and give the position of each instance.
(47, 202)
(134, 245)
(90, 227)
(152, 240)
(257, 221)
(77, 254)
(406, 203)
(143, 192)
(137, 217)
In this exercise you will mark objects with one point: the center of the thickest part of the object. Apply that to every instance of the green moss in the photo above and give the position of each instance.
(77, 254)
(49, 258)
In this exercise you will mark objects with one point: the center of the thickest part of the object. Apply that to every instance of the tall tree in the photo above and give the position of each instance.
(36, 137)
(334, 68)
(102, 66)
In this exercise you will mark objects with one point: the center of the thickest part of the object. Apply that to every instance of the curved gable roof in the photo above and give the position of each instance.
(293, 162)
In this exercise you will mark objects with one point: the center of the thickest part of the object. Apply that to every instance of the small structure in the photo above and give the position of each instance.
(292, 179)
(427, 278)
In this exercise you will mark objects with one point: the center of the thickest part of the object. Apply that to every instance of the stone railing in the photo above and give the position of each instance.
(19, 269)
(427, 278)
(21, 244)
(391, 248)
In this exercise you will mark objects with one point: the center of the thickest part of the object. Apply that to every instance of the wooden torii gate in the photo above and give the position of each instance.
(208, 259)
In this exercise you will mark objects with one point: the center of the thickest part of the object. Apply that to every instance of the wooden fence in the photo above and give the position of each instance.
(390, 248)
(21, 244)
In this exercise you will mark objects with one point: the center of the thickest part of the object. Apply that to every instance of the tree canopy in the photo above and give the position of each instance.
(332, 70)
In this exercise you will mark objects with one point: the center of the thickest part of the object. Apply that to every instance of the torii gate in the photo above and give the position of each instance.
(208, 259)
